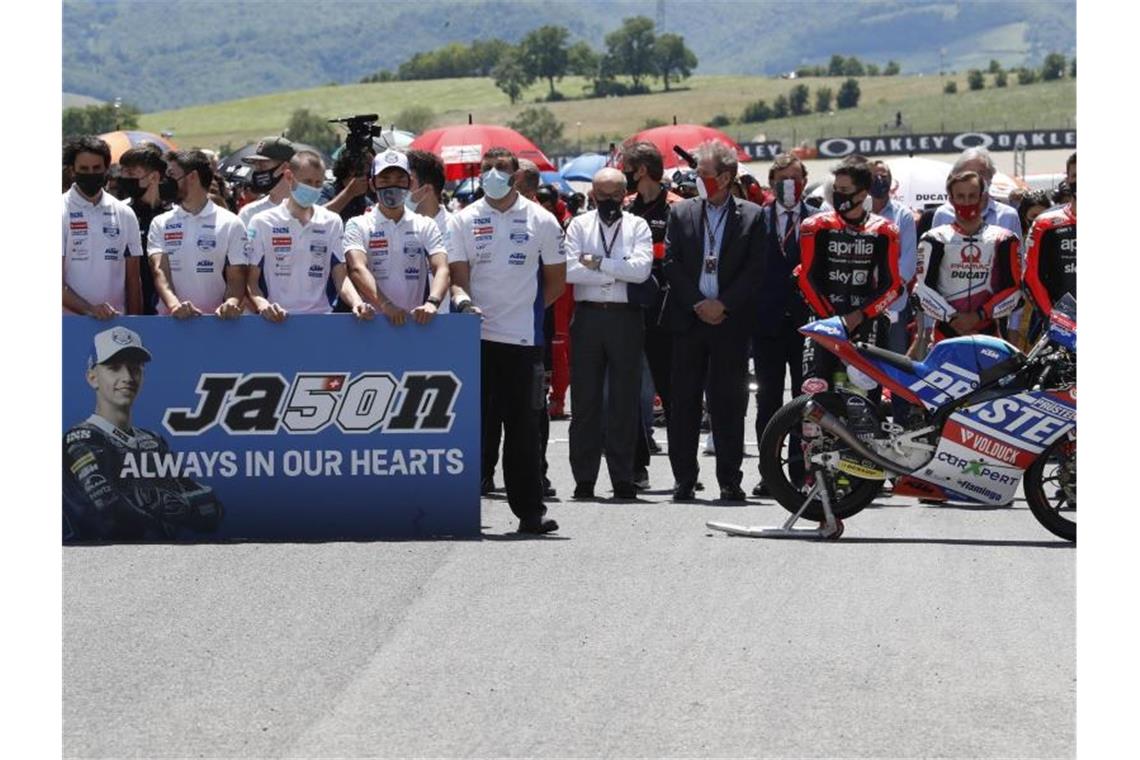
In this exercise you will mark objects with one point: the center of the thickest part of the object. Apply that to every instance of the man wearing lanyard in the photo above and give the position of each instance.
(777, 346)
(714, 259)
(605, 249)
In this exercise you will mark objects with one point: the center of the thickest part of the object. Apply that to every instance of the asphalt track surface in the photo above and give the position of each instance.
(633, 632)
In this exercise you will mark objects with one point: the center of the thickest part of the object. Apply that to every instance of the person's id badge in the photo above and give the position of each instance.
(710, 264)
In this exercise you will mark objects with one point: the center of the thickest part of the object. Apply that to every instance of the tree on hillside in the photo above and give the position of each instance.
(416, 119)
(631, 48)
(1073, 68)
(97, 119)
(848, 96)
(304, 126)
(995, 66)
(544, 53)
(1053, 68)
(540, 126)
(1026, 76)
(951, 88)
(798, 100)
(835, 66)
(822, 99)
(1000, 79)
(484, 55)
(853, 67)
(511, 76)
(872, 70)
(780, 107)
(673, 58)
(758, 111)
(892, 69)
(976, 79)
(581, 60)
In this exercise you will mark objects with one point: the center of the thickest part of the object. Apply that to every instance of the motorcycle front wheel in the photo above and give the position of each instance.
(1051, 488)
(849, 494)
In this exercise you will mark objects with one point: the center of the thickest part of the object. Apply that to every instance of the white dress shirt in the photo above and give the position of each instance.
(630, 259)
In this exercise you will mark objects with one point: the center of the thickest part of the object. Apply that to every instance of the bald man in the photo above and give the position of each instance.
(605, 250)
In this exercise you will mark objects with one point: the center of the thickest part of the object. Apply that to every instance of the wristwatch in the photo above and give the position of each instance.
(434, 301)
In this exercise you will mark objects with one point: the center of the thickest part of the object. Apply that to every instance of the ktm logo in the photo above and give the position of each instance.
(971, 254)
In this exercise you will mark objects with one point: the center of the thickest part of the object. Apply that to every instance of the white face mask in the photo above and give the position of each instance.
(496, 184)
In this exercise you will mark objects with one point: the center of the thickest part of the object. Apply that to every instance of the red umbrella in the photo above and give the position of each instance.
(461, 147)
(688, 136)
(121, 141)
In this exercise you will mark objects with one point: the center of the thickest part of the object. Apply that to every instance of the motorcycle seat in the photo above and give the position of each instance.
(890, 357)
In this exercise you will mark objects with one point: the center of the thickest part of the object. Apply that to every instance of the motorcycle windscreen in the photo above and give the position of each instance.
(1063, 322)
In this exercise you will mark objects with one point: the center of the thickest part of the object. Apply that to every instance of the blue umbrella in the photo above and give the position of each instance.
(558, 180)
(584, 167)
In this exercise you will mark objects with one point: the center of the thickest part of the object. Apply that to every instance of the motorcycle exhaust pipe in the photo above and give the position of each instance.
(829, 422)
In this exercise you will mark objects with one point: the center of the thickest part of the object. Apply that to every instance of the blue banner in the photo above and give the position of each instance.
(319, 428)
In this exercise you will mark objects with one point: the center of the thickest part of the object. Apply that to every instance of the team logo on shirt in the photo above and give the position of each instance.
(174, 238)
(78, 227)
(207, 244)
(377, 241)
(111, 254)
(518, 258)
(971, 254)
(280, 230)
(75, 214)
(282, 243)
(110, 231)
(317, 271)
(481, 220)
(318, 249)
(411, 273)
(520, 237)
(319, 230)
(487, 230)
(204, 266)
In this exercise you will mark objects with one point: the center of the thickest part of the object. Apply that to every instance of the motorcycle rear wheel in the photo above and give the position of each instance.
(849, 494)
(1055, 469)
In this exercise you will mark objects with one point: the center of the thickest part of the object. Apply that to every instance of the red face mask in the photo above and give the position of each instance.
(967, 212)
(707, 186)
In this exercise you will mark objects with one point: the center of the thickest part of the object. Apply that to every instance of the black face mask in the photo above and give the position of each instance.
(630, 182)
(844, 202)
(609, 210)
(130, 188)
(90, 184)
(880, 187)
(168, 190)
(264, 181)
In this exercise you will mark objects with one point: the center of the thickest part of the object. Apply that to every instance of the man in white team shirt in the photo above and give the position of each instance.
(390, 250)
(269, 161)
(507, 263)
(295, 248)
(100, 238)
(606, 250)
(197, 249)
(425, 194)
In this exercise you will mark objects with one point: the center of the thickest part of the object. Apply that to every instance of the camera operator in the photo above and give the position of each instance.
(349, 193)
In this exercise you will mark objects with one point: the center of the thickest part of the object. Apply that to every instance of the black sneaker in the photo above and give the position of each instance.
(625, 491)
(731, 493)
(584, 491)
(683, 493)
(761, 491)
(548, 490)
(537, 525)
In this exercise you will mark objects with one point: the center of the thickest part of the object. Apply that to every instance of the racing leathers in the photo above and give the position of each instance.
(967, 273)
(105, 498)
(1051, 262)
(847, 266)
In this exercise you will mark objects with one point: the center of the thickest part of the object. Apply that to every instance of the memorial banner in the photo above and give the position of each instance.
(319, 428)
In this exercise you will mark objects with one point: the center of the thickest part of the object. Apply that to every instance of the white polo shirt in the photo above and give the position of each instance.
(442, 220)
(253, 208)
(97, 238)
(296, 259)
(397, 252)
(506, 252)
(199, 247)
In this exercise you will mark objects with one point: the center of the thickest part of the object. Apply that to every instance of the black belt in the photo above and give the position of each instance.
(608, 306)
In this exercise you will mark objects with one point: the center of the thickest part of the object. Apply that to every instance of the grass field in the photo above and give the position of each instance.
(920, 99)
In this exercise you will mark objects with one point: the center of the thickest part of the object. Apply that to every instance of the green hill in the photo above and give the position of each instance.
(919, 98)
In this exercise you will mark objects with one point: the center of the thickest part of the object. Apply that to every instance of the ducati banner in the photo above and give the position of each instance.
(320, 428)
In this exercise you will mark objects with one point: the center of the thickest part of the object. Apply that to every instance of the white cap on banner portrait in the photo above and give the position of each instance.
(114, 341)
(390, 158)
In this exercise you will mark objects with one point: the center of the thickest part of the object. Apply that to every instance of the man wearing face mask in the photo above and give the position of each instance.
(849, 266)
(391, 250)
(426, 191)
(198, 250)
(507, 264)
(993, 212)
(101, 250)
(148, 196)
(295, 248)
(269, 161)
(606, 249)
(777, 346)
(969, 272)
(714, 263)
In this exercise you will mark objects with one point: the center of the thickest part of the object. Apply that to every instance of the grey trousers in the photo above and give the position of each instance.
(605, 348)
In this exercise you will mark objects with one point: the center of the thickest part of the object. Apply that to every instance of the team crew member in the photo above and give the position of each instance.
(295, 250)
(849, 266)
(605, 249)
(198, 250)
(391, 249)
(507, 264)
(100, 238)
(714, 261)
(777, 346)
(425, 195)
(651, 200)
(969, 271)
(141, 183)
(269, 161)
(994, 212)
(1051, 264)
(98, 502)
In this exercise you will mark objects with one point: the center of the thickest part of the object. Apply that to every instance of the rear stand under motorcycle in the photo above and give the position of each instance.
(831, 528)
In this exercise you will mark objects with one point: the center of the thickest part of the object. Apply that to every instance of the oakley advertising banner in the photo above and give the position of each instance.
(319, 428)
(947, 142)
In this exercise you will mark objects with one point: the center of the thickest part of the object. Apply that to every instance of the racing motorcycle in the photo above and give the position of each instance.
(984, 417)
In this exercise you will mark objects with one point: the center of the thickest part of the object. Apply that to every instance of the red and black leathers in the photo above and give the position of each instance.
(1051, 263)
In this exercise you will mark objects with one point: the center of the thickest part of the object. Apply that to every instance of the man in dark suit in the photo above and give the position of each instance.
(714, 260)
(780, 311)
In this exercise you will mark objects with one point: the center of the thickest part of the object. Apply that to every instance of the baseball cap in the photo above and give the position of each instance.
(110, 343)
(390, 158)
(272, 148)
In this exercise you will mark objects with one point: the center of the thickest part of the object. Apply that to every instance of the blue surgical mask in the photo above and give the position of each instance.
(496, 184)
(305, 195)
(410, 203)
